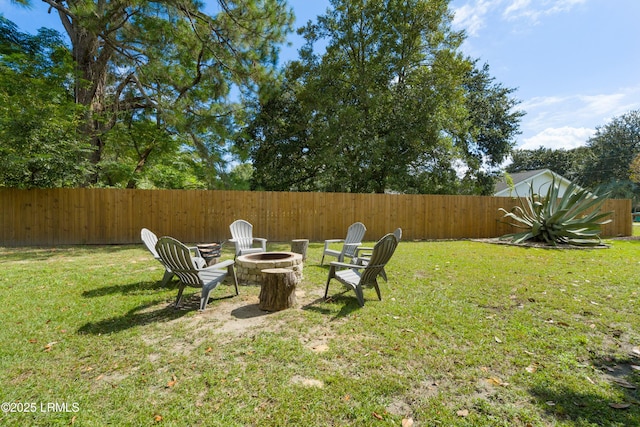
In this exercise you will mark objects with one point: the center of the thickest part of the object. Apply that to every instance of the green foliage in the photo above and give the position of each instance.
(574, 218)
(568, 163)
(39, 142)
(390, 105)
(613, 149)
(151, 72)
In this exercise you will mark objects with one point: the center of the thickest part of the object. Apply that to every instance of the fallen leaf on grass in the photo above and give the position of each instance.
(497, 381)
(377, 416)
(157, 418)
(498, 340)
(49, 346)
(208, 350)
(463, 413)
(172, 382)
(624, 383)
(407, 422)
(620, 405)
(33, 341)
(532, 368)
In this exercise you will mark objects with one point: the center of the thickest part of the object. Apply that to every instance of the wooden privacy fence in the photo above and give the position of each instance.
(50, 217)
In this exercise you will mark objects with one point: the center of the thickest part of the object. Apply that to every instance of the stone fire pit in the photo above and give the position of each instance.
(249, 267)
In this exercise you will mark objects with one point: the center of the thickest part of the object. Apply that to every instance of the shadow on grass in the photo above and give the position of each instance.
(248, 312)
(348, 304)
(146, 314)
(131, 288)
(583, 408)
(35, 253)
(593, 409)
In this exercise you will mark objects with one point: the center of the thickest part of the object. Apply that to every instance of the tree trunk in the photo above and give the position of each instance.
(300, 246)
(278, 289)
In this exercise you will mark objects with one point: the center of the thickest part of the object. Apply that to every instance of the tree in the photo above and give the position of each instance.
(385, 107)
(39, 145)
(568, 163)
(613, 149)
(493, 122)
(166, 67)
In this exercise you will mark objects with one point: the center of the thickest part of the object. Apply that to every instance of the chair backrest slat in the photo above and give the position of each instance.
(178, 258)
(149, 239)
(355, 234)
(382, 253)
(242, 233)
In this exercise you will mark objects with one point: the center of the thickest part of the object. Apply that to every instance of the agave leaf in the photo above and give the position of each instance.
(574, 218)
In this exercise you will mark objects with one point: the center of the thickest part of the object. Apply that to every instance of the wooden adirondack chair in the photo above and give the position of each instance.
(355, 234)
(242, 237)
(357, 277)
(177, 257)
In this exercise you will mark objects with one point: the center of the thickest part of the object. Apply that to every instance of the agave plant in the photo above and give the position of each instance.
(573, 219)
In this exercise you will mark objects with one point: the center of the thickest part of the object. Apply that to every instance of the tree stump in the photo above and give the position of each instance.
(278, 289)
(300, 246)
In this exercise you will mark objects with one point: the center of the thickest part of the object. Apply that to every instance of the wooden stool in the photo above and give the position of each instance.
(278, 289)
(300, 246)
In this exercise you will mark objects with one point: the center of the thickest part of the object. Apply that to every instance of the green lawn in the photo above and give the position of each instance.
(467, 334)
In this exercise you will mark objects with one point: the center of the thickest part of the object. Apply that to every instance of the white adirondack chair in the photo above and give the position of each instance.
(355, 234)
(357, 277)
(150, 239)
(177, 257)
(242, 238)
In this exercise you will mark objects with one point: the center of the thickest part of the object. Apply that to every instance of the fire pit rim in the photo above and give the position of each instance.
(268, 256)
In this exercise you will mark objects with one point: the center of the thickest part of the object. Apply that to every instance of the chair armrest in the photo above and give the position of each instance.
(195, 250)
(346, 265)
(328, 242)
(363, 249)
(220, 265)
(262, 241)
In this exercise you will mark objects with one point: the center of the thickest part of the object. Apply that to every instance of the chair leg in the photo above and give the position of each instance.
(232, 272)
(322, 260)
(359, 295)
(377, 288)
(332, 272)
(204, 296)
(166, 278)
(384, 275)
(179, 298)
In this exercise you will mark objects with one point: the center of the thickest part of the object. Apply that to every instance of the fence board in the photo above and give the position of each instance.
(115, 216)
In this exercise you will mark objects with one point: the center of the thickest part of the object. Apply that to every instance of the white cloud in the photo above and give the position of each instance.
(532, 11)
(554, 119)
(557, 138)
(472, 15)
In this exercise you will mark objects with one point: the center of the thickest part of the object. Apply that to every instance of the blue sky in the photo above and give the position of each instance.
(575, 64)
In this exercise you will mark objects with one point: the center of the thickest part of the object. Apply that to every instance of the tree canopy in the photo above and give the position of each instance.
(154, 78)
(39, 142)
(391, 105)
